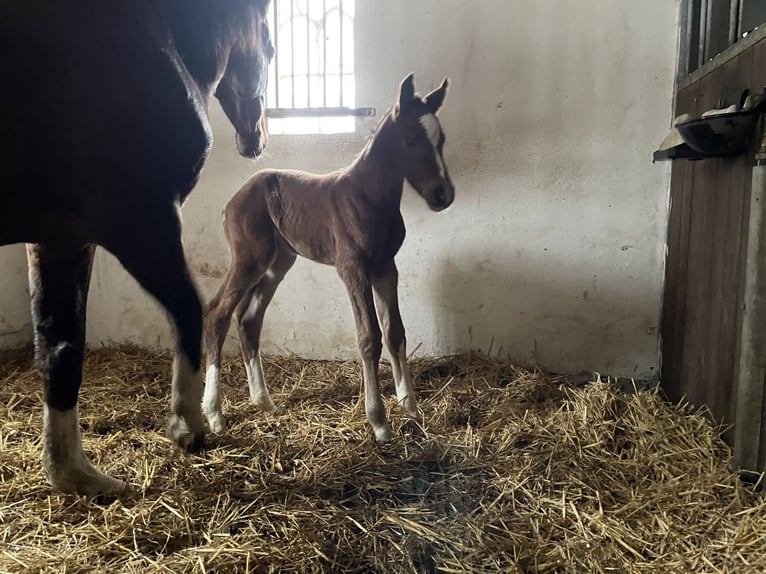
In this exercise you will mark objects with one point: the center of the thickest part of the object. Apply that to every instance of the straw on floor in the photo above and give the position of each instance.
(513, 471)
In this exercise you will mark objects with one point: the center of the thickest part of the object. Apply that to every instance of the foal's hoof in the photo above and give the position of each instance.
(264, 403)
(410, 408)
(383, 433)
(186, 439)
(217, 422)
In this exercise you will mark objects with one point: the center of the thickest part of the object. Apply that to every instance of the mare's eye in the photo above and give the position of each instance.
(410, 138)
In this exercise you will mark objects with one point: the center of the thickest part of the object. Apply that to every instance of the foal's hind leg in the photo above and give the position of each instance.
(244, 272)
(368, 340)
(249, 315)
(152, 252)
(384, 283)
(58, 282)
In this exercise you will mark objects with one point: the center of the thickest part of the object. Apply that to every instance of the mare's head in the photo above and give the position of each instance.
(421, 143)
(242, 88)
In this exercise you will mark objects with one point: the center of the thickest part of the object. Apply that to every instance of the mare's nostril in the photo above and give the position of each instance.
(439, 193)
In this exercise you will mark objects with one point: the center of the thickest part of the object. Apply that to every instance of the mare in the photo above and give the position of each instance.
(350, 219)
(105, 125)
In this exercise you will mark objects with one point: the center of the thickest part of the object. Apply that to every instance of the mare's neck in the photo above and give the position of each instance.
(377, 167)
(201, 37)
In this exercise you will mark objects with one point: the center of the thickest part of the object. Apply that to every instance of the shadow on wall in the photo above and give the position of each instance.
(567, 322)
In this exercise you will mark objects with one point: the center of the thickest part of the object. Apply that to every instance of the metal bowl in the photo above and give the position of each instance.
(721, 135)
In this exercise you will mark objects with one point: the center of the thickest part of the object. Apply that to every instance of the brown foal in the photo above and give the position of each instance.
(350, 219)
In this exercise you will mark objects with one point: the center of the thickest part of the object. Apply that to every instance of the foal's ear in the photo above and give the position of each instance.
(435, 99)
(406, 92)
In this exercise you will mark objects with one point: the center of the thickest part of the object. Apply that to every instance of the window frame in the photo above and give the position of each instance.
(694, 31)
(273, 109)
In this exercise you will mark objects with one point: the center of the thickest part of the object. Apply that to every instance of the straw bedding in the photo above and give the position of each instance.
(514, 471)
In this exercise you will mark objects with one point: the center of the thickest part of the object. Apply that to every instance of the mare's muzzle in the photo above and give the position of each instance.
(247, 117)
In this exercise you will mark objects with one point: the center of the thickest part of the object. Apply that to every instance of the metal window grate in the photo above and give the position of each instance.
(312, 75)
(711, 26)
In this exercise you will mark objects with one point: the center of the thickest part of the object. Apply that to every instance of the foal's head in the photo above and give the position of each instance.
(421, 143)
(242, 88)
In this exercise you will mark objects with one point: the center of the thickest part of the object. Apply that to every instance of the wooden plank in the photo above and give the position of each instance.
(728, 252)
(698, 361)
(673, 383)
(758, 80)
(674, 288)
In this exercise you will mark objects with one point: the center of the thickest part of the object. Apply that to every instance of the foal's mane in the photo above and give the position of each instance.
(371, 138)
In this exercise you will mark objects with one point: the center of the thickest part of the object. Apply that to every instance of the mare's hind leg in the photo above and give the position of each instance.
(244, 272)
(152, 252)
(384, 283)
(58, 281)
(368, 340)
(249, 315)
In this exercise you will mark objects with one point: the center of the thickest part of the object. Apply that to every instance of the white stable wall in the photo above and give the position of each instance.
(15, 322)
(553, 249)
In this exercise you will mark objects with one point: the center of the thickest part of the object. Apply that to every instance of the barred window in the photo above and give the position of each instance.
(711, 26)
(312, 87)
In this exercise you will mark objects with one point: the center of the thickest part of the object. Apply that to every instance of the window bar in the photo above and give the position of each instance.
(740, 31)
(735, 9)
(308, 54)
(292, 51)
(340, 71)
(708, 19)
(690, 23)
(703, 32)
(275, 33)
(324, 53)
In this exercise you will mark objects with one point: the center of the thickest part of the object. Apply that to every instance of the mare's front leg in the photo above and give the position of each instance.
(152, 252)
(59, 276)
(384, 282)
(368, 339)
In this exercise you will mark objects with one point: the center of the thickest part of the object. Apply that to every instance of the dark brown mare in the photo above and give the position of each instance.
(350, 219)
(105, 130)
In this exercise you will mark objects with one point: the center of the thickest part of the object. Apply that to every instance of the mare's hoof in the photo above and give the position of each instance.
(88, 482)
(187, 440)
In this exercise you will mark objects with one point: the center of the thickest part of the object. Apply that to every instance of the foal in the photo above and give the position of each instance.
(350, 219)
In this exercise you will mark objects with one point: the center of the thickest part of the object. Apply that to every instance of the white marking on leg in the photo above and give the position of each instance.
(434, 132)
(65, 463)
(256, 382)
(405, 392)
(211, 403)
(185, 426)
(373, 405)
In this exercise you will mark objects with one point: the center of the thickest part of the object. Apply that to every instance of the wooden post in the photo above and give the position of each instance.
(752, 360)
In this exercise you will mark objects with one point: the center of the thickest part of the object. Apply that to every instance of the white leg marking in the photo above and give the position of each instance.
(65, 462)
(373, 406)
(405, 393)
(256, 382)
(433, 132)
(211, 403)
(185, 426)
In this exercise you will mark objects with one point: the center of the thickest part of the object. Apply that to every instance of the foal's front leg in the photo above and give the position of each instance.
(384, 283)
(368, 339)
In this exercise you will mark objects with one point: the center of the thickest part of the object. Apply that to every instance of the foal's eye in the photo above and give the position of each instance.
(410, 138)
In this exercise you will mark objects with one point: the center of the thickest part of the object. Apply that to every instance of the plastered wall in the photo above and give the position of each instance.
(15, 322)
(553, 250)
